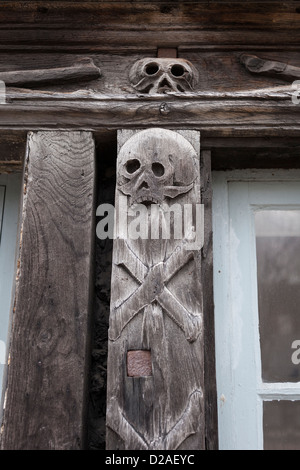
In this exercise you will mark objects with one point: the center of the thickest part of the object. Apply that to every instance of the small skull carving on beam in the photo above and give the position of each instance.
(162, 75)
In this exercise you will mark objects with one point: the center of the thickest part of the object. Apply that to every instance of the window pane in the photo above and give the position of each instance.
(2, 191)
(282, 425)
(278, 272)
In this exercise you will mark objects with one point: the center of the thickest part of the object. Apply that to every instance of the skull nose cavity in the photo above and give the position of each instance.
(165, 84)
(144, 185)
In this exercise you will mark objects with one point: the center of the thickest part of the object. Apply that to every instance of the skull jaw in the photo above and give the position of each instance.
(147, 197)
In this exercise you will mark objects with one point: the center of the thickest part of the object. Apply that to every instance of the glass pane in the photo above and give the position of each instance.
(282, 425)
(2, 191)
(278, 272)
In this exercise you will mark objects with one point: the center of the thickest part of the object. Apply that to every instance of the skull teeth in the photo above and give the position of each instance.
(142, 199)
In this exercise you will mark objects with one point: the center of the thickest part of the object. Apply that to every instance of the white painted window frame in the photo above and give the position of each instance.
(238, 363)
(9, 216)
(2, 197)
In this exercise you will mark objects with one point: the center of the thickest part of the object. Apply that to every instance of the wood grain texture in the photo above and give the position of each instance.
(179, 14)
(218, 69)
(83, 70)
(49, 353)
(270, 68)
(251, 113)
(12, 151)
(156, 302)
(132, 41)
(211, 412)
(39, 25)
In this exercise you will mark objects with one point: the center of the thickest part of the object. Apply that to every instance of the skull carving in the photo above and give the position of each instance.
(160, 75)
(155, 164)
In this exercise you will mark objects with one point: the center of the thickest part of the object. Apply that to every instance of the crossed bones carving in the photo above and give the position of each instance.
(187, 425)
(153, 288)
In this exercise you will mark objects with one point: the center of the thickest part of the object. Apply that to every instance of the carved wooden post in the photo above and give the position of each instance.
(155, 358)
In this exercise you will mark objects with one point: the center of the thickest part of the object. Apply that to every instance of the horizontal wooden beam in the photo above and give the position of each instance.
(269, 112)
(227, 15)
(124, 39)
(62, 25)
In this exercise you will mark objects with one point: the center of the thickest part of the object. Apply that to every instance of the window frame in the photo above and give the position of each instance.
(240, 399)
(8, 250)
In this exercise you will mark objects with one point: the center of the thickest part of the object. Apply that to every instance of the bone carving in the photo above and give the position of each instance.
(159, 75)
(82, 70)
(188, 422)
(156, 303)
(270, 68)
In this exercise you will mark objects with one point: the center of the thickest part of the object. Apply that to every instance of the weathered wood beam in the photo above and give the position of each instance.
(211, 412)
(228, 15)
(83, 70)
(143, 39)
(49, 352)
(262, 112)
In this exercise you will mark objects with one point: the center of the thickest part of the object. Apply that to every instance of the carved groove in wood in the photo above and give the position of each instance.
(158, 75)
(156, 303)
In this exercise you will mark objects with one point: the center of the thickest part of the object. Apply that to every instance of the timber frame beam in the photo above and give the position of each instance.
(228, 121)
(61, 25)
(47, 376)
(266, 112)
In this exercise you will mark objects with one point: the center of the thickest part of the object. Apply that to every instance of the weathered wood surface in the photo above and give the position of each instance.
(62, 25)
(156, 303)
(257, 14)
(83, 70)
(218, 69)
(49, 352)
(270, 68)
(268, 112)
(12, 151)
(211, 412)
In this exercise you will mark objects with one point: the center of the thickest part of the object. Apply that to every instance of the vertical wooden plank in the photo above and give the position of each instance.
(155, 352)
(211, 412)
(47, 377)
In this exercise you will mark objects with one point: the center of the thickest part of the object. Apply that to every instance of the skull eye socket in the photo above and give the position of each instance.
(132, 166)
(151, 69)
(158, 169)
(177, 70)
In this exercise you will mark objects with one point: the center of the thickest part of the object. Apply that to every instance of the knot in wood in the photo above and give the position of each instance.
(164, 109)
